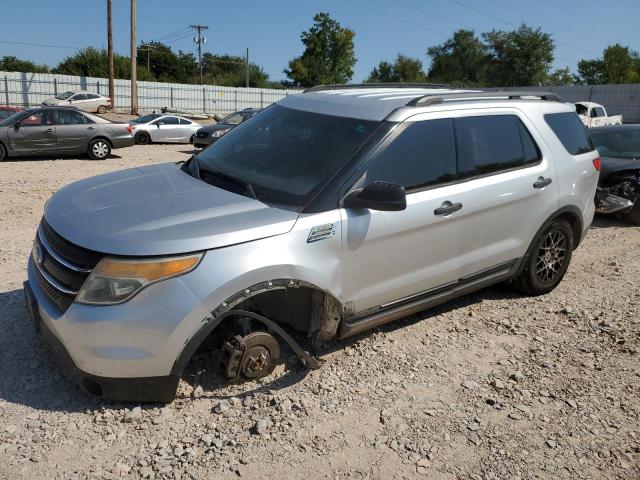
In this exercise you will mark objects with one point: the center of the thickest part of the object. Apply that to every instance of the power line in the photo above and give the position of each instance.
(168, 35)
(35, 44)
(499, 19)
(427, 12)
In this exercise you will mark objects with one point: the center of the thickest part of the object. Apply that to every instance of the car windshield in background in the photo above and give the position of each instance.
(286, 154)
(64, 96)
(233, 119)
(146, 118)
(15, 117)
(6, 113)
(618, 143)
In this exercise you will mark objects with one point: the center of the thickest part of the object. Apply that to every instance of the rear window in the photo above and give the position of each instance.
(571, 132)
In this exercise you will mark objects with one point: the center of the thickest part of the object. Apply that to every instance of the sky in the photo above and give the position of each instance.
(271, 30)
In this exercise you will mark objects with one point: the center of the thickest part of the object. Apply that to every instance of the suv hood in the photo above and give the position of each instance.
(215, 127)
(159, 210)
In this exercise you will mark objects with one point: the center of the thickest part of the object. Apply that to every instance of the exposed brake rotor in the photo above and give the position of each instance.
(252, 356)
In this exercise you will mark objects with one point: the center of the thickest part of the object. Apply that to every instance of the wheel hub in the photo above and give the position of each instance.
(252, 356)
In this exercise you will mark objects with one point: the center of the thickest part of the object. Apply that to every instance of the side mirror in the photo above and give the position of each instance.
(70, 101)
(17, 125)
(159, 123)
(383, 196)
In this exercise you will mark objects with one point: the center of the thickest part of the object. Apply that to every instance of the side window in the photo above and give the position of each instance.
(423, 154)
(92, 96)
(170, 121)
(71, 117)
(184, 122)
(570, 131)
(530, 151)
(35, 120)
(599, 112)
(488, 144)
(79, 96)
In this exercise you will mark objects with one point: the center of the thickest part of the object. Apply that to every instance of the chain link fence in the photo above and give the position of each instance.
(30, 89)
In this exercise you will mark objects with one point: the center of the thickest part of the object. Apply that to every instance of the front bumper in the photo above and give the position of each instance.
(120, 352)
(199, 142)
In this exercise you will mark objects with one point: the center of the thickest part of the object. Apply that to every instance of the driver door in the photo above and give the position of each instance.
(35, 134)
(388, 256)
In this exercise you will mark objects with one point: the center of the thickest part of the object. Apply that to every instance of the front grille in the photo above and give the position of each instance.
(66, 265)
(202, 134)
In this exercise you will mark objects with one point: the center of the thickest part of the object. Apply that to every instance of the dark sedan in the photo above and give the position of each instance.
(619, 187)
(61, 130)
(209, 134)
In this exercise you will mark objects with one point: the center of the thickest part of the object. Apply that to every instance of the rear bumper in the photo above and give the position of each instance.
(122, 142)
(139, 389)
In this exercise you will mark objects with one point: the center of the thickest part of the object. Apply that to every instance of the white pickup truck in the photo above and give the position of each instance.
(595, 115)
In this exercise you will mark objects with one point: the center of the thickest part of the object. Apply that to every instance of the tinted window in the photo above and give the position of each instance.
(71, 117)
(146, 118)
(80, 96)
(286, 154)
(184, 122)
(570, 131)
(488, 144)
(530, 151)
(599, 112)
(624, 143)
(92, 96)
(169, 121)
(423, 154)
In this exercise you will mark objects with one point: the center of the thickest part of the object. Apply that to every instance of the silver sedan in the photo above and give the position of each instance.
(163, 128)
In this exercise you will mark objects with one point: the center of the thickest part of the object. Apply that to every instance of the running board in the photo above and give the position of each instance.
(421, 301)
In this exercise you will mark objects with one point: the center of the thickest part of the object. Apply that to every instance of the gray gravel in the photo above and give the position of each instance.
(491, 386)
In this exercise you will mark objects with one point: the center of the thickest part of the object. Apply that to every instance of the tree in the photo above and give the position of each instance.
(461, 60)
(165, 65)
(618, 65)
(519, 57)
(229, 70)
(328, 56)
(403, 70)
(13, 64)
(561, 76)
(91, 62)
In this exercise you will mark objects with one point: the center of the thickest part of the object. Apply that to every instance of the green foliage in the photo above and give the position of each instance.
(13, 64)
(561, 76)
(328, 56)
(461, 60)
(165, 65)
(91, 62)
(519, 57)
(618, 65)
(229, 70)
(403, 70)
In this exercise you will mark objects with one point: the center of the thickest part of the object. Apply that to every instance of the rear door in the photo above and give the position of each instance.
(73, 130)
(187, 129)
(36, 134)
(510, 187)
(389, 256)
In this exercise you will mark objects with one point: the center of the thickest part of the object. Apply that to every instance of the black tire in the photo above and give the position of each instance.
(192, 139)
(632, 217)
(143, 138)
(99, 149)
(102, 109)
(548, 259)
(3, 153)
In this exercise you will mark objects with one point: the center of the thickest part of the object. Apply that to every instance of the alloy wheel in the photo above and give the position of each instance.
(551, 256)
(100, 149)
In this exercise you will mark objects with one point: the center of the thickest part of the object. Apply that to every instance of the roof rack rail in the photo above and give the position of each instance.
(483, 95)
(320, 88)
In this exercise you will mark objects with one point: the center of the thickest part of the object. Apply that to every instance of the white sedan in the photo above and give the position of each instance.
(87, 101)
(163, 128)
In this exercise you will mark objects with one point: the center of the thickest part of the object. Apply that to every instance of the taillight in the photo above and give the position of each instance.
(597, 163)
(130, 130)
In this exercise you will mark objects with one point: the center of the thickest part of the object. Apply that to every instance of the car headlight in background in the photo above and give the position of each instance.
(116, 280)
(219, 133)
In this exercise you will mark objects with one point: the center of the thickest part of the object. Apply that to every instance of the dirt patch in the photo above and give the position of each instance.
(490, 386)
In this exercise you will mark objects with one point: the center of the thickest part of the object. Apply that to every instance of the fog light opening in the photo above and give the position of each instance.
(92, 387)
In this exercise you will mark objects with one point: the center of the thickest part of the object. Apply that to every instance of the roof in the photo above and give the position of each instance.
(589, 104)
(366, 103)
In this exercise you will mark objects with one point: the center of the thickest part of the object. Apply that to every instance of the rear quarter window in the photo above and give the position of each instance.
(571, 132)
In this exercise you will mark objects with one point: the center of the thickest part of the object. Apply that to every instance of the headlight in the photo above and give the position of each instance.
(117, 280)
(219, 133)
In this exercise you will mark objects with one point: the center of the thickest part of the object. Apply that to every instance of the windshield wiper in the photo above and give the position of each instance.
(224, 176)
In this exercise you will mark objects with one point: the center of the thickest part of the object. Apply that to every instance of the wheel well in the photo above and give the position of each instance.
(100, 137)
(576, 225)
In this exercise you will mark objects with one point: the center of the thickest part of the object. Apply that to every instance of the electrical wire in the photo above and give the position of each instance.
(35, 44)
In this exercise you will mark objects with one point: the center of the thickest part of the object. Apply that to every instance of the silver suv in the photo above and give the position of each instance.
(326, 214)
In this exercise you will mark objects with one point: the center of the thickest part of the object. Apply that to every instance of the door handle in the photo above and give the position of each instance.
(447, 208)
(91, 128)
(542, 182)
(49, 130)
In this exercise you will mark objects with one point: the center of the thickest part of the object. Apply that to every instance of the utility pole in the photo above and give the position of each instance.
(112, 94)
(134, 61)
(200, 39)
(246, 70)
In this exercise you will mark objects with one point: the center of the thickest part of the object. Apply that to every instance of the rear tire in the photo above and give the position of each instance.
(548, 259)
(143, 138)
(99, 149)
(192, 139)
(3, 153)
(102, 109)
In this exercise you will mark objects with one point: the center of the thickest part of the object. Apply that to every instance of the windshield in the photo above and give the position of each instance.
(285, 154)
(146, 118)
(581, 109)
(233, 119)
(618, 143)
(64, 96)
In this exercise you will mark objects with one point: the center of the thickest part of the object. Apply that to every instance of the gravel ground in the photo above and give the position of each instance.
(491, 386)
